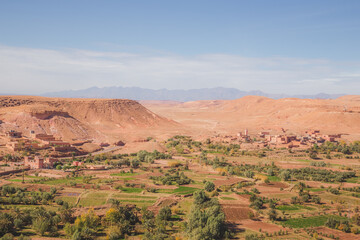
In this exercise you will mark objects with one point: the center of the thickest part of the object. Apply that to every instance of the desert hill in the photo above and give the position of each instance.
(110, 120)
(341, 115)
(98, 119)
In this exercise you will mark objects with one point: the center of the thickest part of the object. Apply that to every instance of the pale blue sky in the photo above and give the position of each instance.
(275, 46)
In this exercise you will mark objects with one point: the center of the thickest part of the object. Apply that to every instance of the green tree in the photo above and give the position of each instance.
(285, 175)
(164, 214)
(44, 221)
(6, 223)
(272, 214)
(209, 186)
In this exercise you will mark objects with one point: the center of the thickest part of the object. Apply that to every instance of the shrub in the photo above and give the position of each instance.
(209, 186)
(164, 214)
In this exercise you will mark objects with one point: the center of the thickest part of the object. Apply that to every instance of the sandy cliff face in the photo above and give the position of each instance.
(99, 119)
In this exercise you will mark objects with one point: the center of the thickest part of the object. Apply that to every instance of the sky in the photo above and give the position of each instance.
(277, 46)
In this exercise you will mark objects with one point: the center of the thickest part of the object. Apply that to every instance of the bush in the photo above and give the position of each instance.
(6, 223)
(272, 214)
(209, 186)
(164, 214)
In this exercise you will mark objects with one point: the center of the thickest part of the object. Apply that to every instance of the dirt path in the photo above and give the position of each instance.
(79, 197)
(109, 197)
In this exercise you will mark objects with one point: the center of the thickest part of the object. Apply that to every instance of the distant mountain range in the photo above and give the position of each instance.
(136, 93)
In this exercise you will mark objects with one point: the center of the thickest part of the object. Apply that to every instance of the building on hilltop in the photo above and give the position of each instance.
(13, 134)
(50, 141)
(42, 137)
(22, 145)
(38, 162)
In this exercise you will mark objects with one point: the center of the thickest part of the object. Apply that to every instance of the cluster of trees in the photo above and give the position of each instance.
(352, 189)
(206, 219)
(355, 191)
(257, 202)
(215, 163)
(172, 178)
(319, 164)
(155, 227)
(39, 219)
(244, 170)
(183, 143)
(249, 170)
(231, 149)
(120, 221)
(312, 174)
(304, 196)
(16, 195)
(145, 156)
(340, 224)
(340, 147)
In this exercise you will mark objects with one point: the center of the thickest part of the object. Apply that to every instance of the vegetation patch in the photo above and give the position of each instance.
(131, 190)
(316, 221)
(124, 174)
(227, 198)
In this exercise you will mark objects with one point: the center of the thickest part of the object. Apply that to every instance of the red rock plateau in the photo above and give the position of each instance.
(73, 119)
(255, 113)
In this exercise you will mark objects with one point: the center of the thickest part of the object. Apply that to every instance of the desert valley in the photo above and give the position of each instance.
(179, 120)
(256, 167)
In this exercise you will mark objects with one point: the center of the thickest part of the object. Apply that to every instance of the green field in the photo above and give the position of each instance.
(127, 174)
(315, 189)
(294, 207)
(93, 199)
(131, 190)
(274, 179)
(316, 221)
(180, 190)
(125, 195)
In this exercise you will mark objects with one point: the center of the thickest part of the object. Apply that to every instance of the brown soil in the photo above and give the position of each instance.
(228, 182)
(274, 185)
(256, 225)
(164, 201)
(341, 235)
(236, 212)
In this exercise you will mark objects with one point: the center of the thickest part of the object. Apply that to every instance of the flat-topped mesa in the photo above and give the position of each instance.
(74, 118)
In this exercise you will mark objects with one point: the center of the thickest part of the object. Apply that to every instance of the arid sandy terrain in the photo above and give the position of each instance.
(341, 115)
(106, 120)
(112, 120)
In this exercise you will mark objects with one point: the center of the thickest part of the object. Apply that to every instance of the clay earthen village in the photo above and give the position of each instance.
(57, 149)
